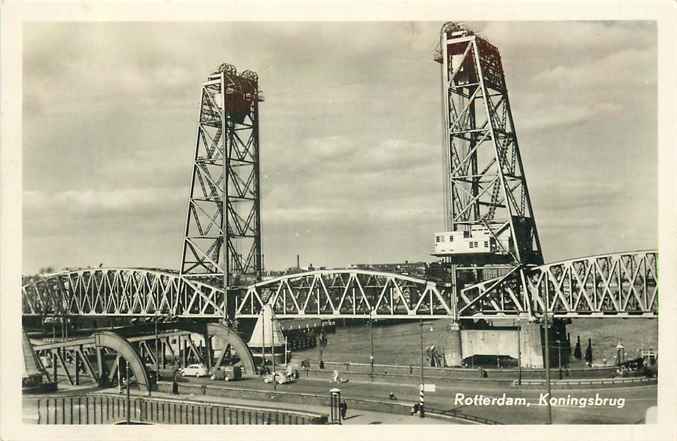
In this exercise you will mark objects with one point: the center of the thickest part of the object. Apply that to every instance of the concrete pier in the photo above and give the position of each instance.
(531, 344)
(522, 340)
(454, 351)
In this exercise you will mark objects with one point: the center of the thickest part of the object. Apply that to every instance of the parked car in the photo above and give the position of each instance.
(46, 361)
(280, 377)
(194, 370)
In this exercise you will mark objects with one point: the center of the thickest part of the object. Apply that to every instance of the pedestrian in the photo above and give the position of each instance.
(344, 409)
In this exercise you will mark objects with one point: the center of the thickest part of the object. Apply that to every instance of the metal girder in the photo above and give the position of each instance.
(611, 285)
(120, 292)
(620, 285)
(223, 230)
(348, 294)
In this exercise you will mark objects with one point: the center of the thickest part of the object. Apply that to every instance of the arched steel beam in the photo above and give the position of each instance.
(107, 339)
(231, 338)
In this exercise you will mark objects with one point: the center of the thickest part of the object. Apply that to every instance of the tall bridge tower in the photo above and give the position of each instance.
(489, 220)
(490, 229)
(223, 230)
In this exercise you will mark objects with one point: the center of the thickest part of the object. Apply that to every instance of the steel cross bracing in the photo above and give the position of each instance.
(120, 292)
(613, 285)
(348, 294)
(225, 244)
(619, 285)
(484, 178)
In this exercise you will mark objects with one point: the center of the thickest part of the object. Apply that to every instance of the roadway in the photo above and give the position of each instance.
(637, 399)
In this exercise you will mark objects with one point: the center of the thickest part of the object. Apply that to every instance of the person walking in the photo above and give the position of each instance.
(344, 409)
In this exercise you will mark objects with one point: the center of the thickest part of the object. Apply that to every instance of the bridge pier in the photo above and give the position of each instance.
(530, 344)
(522, 340)
(454, 351)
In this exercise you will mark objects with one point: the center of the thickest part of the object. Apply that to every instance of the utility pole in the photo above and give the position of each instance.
(420, 396)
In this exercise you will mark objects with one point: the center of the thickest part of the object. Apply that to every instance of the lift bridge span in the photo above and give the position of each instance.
(614, 285)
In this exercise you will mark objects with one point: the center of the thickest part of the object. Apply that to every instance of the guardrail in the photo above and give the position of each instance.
(588, 382)
(111, 409)
(455, 373)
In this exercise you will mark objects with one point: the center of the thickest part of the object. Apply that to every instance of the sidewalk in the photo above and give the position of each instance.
(354, 416)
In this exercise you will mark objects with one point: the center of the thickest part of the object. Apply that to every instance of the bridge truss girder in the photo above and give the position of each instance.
(348, 294)
(618, 285)
(110, 292)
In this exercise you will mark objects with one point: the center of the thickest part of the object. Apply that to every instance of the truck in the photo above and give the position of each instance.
(227, 373)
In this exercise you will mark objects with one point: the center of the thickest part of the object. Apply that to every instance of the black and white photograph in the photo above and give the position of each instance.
(339, 222)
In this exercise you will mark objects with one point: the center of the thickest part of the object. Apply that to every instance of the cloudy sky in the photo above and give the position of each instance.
(350, 136)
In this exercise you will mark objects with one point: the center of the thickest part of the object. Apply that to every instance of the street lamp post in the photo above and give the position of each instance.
(272, 347)
(371, 354)
(519, 358)
(548, 419)
(559, 357)
(129, 382)
(421, 396)
(263, 342)
(157, 354)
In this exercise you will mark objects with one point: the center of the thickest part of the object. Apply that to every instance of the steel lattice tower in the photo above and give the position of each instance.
(485, 185)
(224, 244)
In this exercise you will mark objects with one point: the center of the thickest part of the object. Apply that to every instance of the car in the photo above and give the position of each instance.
(280, 377)
(194, 370)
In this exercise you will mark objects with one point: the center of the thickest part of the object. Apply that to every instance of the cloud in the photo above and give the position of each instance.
(625, 65)
(350, 133)
(565, 115)
(94, 212)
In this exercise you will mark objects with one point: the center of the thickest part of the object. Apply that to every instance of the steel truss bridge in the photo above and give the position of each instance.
(612, 285)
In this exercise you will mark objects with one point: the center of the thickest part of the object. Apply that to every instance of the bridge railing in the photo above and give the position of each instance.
(112, 409)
